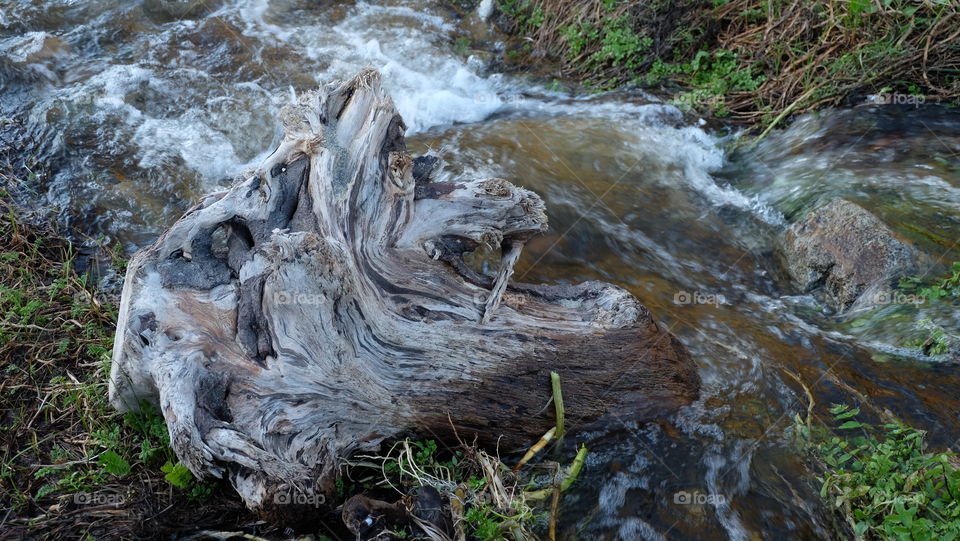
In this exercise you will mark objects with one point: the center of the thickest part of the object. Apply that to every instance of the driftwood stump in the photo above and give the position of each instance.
(322, 305)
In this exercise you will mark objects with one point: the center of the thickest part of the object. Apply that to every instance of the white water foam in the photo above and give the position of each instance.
(430, 87)
(201, 148)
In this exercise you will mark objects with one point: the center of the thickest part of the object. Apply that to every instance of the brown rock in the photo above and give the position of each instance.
(844, 250)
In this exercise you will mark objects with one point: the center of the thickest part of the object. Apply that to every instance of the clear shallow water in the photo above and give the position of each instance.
(142, 108)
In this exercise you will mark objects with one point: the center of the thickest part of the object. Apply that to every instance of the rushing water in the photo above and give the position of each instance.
(143, 106)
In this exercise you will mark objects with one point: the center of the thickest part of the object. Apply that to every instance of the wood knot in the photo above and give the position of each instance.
(400, 167)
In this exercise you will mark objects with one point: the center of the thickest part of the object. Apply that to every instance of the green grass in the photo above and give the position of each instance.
(757, 61)
(885, 484)
(711, 75)
(62, 445)
(465, 474)
(934, 339)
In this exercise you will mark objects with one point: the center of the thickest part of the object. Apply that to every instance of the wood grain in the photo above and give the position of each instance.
(321, 305)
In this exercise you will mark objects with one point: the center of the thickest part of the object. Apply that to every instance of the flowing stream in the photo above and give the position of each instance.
(141, 107)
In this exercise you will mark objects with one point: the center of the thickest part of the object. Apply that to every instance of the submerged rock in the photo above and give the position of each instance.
(846, 251)
(29, 57)
(30, 48)
(169, 10)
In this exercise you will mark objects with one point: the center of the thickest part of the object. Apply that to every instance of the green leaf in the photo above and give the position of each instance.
(838, 408)
(114, 464)
(177, 474)
(44, 490)
(850, 424)
(848, 414)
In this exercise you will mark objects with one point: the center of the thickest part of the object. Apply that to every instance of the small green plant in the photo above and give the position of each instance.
(114, 464)
(945, 287)
(180, 476)
(556, 86)
(177, 474)
(620, 46)
(468, 474)
(424, 455)
(720, 72)
(461, 46)
(526, 14)
(492, 500)
(934, 339)
(487, 523)
(712, 76)
(884, 483)
(578, 37)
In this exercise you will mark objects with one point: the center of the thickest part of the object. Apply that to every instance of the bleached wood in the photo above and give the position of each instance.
(338, 313)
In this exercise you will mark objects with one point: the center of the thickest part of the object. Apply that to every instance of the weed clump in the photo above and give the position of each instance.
(464, 492)
(479, 496)
(884, 484)
(70, 465)
(757, 61)
(934, 338)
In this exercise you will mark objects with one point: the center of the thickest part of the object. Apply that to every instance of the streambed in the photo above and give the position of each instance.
(141, 108)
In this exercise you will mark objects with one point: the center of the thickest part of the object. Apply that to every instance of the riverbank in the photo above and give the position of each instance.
(754, 62)
(71, 467)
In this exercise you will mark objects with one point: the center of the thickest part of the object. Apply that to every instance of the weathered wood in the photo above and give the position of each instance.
(322, 305)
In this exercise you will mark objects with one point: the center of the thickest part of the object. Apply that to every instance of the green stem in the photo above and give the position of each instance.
(573, 471)
(557, 404)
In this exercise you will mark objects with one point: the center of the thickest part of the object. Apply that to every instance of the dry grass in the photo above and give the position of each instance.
(794, 55)
(484, 498)
(817, 54)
